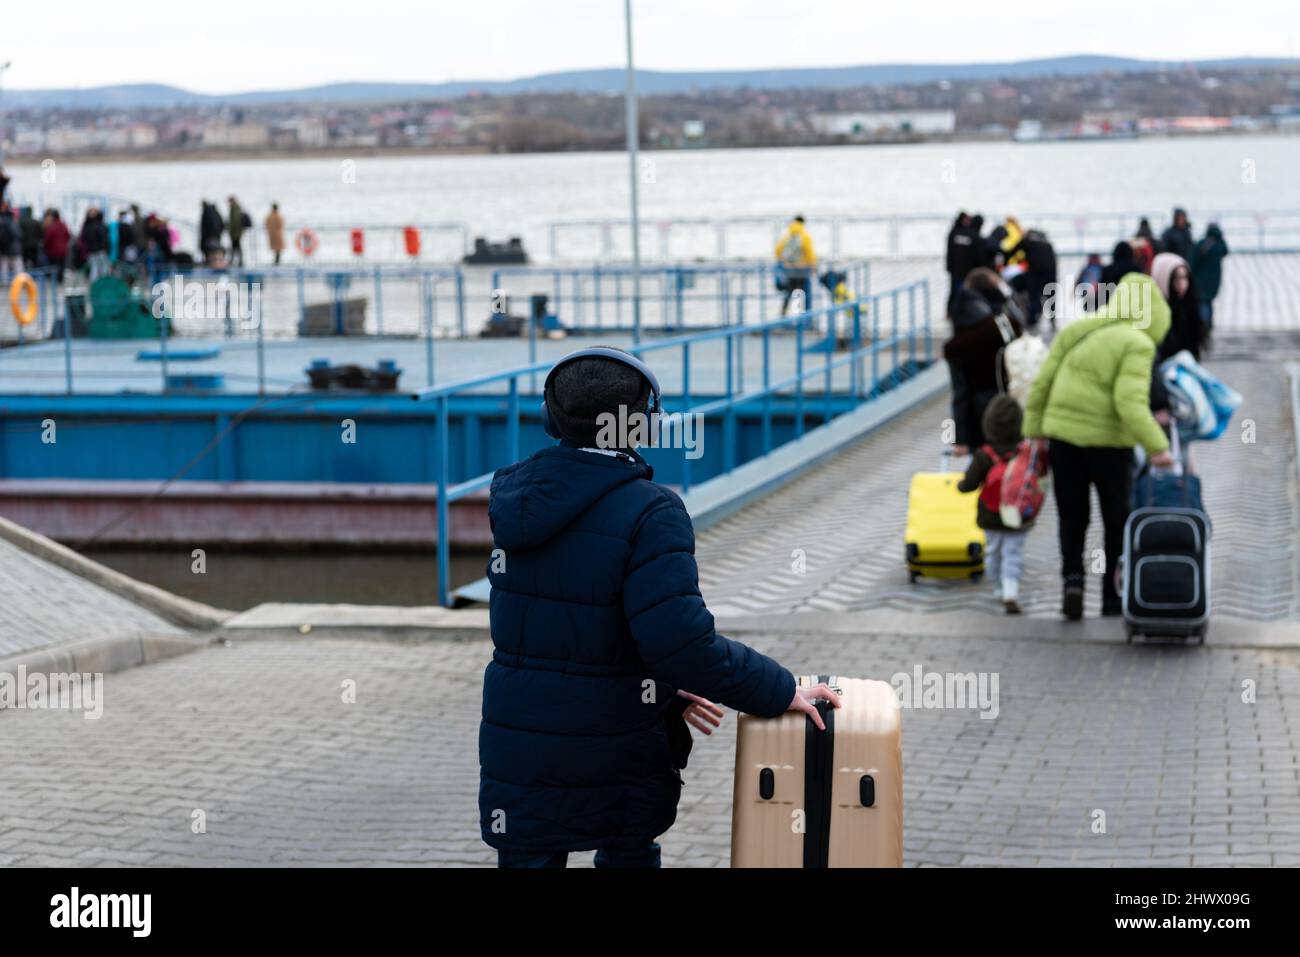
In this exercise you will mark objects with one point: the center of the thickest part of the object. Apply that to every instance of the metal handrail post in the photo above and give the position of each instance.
(911, 324)
(512, 420)
(427, 308)
(875, 346)
(893, 335)
(925, 299)
(444, 510)
(67, 344)
(855, 370)
(460, 301)
(798, 371)
(685, 411)
(767, 395)
(162, 350)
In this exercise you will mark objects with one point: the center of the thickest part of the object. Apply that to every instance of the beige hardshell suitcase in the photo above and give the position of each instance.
(833, 798)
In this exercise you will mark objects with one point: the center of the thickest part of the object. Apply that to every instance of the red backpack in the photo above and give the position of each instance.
(991, 493)
(1012, 488)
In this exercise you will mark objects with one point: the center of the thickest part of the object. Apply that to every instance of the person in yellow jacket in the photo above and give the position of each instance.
(796, 263)
(1011, 241)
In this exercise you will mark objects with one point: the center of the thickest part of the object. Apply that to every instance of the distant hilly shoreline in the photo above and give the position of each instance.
(145, 95)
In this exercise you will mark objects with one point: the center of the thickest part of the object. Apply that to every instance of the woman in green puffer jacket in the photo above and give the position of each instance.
(1091, 399)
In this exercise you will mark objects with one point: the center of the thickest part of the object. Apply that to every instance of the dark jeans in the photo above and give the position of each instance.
(1075, 471)
(1038, 284)
(797, 282)
(236, 251)
(645, 855)
(954, 287)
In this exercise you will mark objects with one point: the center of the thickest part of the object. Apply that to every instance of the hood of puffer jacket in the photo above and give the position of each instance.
(970, 308)
(1162, 271)
(1137, 299)
(533, 500)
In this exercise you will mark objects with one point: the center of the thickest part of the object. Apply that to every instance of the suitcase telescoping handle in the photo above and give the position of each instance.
(1175, 450)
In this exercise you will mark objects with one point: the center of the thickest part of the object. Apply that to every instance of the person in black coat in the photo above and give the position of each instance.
(1144, 231)
(211, 227)
(1122, 262)
(961, 255)
(973, 353)
(94, 234)
(1177, 239)
(1039, 274)
(603, 649)
(1187, 329)
(32, 233)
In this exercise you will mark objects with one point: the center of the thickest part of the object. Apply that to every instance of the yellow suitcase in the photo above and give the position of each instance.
(833, 798)
(942, 539)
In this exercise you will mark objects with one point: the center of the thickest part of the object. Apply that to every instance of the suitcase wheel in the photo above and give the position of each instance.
(976, 576)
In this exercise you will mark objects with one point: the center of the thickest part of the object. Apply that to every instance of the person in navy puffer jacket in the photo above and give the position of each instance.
(599, 635)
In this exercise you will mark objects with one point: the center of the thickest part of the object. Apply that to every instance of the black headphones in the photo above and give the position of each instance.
(599, 352)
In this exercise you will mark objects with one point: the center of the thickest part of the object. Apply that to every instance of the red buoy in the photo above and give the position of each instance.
(411, 235)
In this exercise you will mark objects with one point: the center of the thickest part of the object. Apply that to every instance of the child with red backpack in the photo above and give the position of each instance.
(1010, 473)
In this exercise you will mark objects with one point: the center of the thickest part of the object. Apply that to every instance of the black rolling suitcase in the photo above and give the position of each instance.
(1166, 587)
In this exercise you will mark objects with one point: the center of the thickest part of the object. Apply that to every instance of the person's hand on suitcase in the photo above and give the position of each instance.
(701, 714)
(804, 698)
(1163, 460)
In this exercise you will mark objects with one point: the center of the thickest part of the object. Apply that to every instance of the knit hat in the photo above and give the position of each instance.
(582, 390)
(1162, 271)
(1002, 419)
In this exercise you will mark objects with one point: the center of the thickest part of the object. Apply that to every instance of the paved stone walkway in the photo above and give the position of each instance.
(42, 605)
(848, 518)
(256, 736)
(1191, 754)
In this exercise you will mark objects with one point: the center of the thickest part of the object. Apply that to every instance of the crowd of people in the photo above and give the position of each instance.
(27, 242)
(236, 224)
(147, 240)
(1024, 257)
(1097, 394)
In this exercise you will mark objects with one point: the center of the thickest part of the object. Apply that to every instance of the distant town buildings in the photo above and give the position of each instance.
(1027, 109)
(867, 125)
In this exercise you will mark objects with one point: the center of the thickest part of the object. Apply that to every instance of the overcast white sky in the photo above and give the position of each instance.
(237, 45)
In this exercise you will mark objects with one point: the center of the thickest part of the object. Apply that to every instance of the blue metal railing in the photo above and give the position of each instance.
(600, 296)
(906, 234)
(339, 281)
(892, 325)
(233, 308)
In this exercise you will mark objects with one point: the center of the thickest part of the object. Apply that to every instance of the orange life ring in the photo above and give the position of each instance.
(25, 314)
(306, 242)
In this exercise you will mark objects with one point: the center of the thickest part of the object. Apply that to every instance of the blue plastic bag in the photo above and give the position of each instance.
(1197, 398)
